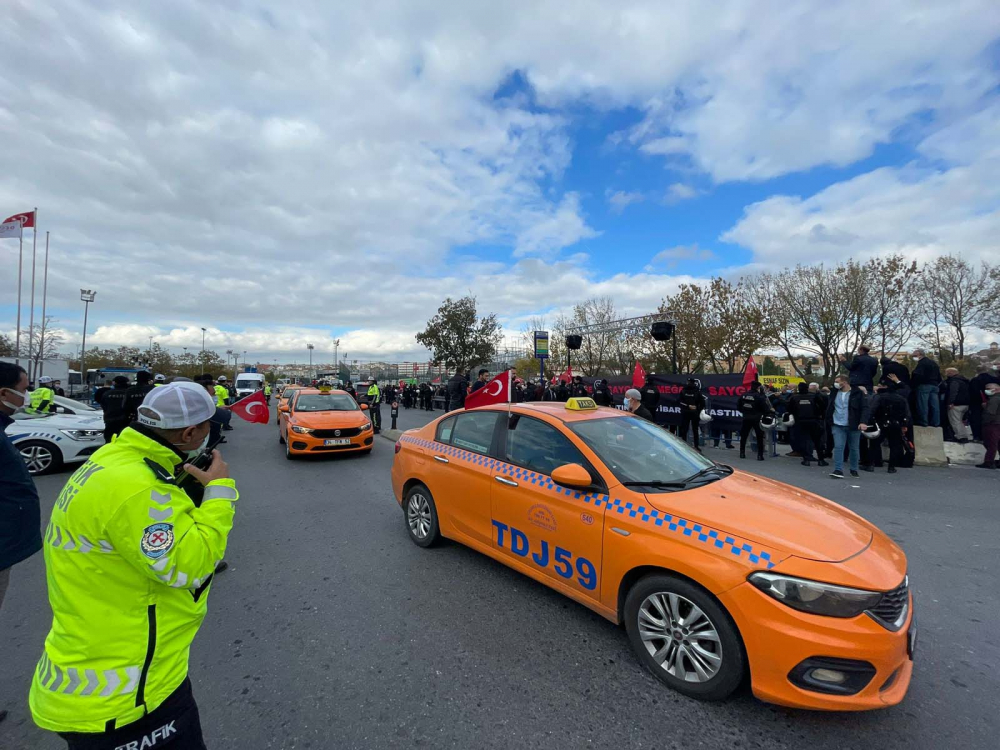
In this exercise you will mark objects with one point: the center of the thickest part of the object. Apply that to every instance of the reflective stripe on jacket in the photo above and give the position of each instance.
(221, 394)
(128, 560)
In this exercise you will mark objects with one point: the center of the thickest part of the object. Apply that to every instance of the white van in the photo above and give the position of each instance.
(247, 383)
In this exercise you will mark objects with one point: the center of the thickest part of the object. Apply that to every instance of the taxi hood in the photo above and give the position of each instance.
(773, 514)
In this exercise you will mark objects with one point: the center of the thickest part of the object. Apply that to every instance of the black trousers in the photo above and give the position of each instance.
(753, 424)
(375, 410)
(893, 435)
(811, 437)
(175, 724)
(689, 418)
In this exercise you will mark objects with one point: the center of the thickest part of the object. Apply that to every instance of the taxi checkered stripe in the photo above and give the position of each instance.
(660, 519)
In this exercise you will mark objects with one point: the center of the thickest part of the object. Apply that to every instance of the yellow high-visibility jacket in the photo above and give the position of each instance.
(128, 559)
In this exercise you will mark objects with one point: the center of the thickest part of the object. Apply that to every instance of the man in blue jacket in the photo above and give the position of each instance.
(20, 515)
(847, 410)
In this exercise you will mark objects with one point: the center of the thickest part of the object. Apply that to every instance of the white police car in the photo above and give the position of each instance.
(47, 442)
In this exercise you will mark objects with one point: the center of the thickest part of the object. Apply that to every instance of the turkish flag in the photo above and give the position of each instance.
(566, 377)
(750, 373)
(496, 391)
(638, 375)
(252, 408)
(27, 219)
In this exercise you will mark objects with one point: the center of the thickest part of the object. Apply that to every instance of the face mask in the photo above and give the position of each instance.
(992, 393)
(25, 400)
(916, 359)
(194, 452)
(837, 386)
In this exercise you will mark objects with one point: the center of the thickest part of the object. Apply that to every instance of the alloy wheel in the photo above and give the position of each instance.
(418, 515)
(37, 457)
(680, 637)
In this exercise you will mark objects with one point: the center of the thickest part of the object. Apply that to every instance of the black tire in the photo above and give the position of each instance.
(433, 534)
(288, 452)
(34, 452)
(734, 662)
(281, 440)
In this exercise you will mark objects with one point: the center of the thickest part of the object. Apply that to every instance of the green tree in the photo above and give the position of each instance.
(770, 368)
(458, 337)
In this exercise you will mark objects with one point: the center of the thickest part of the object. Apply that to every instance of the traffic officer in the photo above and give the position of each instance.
(221, 396)
(158, 380)
(692, 403)
(754, 406)
(267, 392)
(41, 397)
(375, 406)
(808, 408)
(129, 558)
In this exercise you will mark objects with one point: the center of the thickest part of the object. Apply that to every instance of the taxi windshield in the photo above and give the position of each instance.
(638, 452)
(325, 402)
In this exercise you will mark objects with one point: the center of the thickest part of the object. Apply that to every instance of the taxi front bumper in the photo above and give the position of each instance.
(783, 644)
(309, 443)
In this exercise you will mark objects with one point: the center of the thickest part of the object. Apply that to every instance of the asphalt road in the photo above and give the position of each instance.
(332, 630)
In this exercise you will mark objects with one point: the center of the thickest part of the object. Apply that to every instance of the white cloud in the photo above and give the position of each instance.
(256, 171)
(678, 191)
(673, 256)
(620, 199)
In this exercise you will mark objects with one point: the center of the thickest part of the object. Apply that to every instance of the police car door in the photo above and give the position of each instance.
(541, 526)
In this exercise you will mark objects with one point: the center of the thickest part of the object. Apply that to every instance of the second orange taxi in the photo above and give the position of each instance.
(320, 420)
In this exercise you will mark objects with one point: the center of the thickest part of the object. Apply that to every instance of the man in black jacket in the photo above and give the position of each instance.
(846, 412)
(562, 391)
(862, 368)
(754, 406)
(602, 393)
(578, 389)
(892, 367)
(956, 404)
(692, 403)
(481, 380)
(809, 409)
(977, 398)
(20, 514)
(458, 387)
(135, 394)
(633, 403)
(116, 416)
(891, 412)
(650, 395)
(924, 380)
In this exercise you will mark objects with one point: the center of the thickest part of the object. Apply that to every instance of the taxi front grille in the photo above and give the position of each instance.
(345, 432)
(891, 610)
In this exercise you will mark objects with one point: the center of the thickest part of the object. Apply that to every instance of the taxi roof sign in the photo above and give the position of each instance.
(581, 404)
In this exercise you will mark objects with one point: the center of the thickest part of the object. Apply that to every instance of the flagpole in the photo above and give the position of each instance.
(45, 292)
(31, 317)
(20, 263)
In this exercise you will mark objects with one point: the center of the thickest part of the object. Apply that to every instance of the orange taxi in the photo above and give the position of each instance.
(715, 573)
(283, 396)
(323, 420)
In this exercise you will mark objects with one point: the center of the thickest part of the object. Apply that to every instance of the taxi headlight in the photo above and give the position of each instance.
(366, 426)
(815, 597)
(83, 434)
(301, 430)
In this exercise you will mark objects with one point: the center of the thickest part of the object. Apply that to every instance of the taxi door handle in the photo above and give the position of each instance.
(442, 459)
(508, 482)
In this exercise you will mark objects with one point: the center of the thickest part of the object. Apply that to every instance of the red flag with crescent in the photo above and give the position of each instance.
(27, 219)
(638, 375)
(496, 391)
(252, 408)
(750, 373)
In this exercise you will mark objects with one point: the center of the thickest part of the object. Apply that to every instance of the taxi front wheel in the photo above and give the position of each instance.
(684, 637)
(421, 516)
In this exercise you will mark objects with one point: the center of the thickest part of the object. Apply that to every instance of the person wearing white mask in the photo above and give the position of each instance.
(20, 516)
(991, 427)
(633, 403)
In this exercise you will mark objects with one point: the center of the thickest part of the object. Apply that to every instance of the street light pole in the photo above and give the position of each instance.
(312, 375)
(87, 295)
(202, 351)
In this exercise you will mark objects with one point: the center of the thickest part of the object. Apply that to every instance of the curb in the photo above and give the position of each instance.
(392, 435)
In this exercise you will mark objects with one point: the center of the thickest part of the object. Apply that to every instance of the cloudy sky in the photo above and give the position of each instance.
(283, 176)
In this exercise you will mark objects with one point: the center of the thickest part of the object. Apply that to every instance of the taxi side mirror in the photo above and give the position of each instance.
(283, 408)
(571, 475)
(364, 407)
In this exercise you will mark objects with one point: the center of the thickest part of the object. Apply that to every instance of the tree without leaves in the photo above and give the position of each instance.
(956, 298)
(458, 337)
(7, 348)
(690, 309)
(736, 326)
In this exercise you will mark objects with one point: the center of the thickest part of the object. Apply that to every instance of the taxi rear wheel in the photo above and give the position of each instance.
(421, 516)
(684, 637)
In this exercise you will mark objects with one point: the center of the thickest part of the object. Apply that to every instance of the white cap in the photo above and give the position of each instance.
(633, 394)
(159, 377)
(45, 379)
(176, 405)
(222, 378)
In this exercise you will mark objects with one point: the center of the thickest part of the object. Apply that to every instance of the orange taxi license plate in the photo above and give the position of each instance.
(337, 441)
